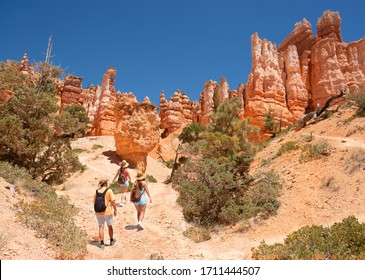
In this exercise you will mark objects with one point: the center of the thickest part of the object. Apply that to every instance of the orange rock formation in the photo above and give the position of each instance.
(176, 113)
(137, 129)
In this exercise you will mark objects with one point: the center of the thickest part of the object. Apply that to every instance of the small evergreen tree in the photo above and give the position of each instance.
(214, 179)
(28, 125)
(269, 123)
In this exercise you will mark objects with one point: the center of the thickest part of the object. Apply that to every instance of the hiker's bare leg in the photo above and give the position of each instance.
(138, 210)
(142, 211)
(110, 230)
(123, 196)
(101, 233)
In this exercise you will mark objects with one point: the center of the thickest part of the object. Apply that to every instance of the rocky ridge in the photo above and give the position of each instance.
(288, 81)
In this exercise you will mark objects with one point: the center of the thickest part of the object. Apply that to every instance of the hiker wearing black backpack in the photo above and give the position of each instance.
(123, 180)
(104, 204)
(139, 198)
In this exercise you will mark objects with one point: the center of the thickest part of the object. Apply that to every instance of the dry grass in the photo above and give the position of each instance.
(3, 241)
(355, 161)
(197, 234)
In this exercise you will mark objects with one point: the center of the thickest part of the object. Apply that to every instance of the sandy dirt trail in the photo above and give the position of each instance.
(304, 201)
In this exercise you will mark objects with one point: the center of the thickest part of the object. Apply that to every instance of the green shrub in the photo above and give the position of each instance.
(269, 123)
(357, 99)
(78, 150)
(214, 181)
(315, 151)
(341, 241)
(33, 134)
(97, 146)
(151, 179)
(116, 188)
(287, 147)
(308, 137)
(170, 163)
(262, 196)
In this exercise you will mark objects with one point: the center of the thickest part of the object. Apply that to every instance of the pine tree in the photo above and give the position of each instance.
(28, 136)
(213, 180)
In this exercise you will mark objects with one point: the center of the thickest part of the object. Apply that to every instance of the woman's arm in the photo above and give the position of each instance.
(116, 175)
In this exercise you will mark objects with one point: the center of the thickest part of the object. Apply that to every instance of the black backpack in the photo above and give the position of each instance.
(99, 205)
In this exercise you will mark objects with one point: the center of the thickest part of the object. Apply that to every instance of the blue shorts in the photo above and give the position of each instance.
(126, 184)
(143, 200)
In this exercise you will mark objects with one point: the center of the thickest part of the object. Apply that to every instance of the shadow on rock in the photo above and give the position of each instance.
(112, 156)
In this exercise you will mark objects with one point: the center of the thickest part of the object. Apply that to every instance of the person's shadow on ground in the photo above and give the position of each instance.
(131, 227)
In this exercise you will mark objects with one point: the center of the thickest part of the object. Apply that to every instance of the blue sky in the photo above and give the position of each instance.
(159, 45)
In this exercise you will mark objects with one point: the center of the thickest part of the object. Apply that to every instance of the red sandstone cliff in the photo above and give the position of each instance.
(293, 78)
(304, 70)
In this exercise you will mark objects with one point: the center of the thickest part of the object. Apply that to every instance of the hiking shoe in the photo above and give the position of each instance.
(139, 227)
(102, 246)
(120, 204)
(112, 242)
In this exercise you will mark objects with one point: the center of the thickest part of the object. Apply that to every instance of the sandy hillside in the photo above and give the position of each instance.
(320, 191)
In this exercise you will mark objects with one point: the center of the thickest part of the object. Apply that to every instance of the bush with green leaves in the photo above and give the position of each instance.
(287, 147)
(10, 77)
(341, 241)
(315, 151)
(357, 99)
(74, 121)
(31, 131)
(213, 184)
(269, 123)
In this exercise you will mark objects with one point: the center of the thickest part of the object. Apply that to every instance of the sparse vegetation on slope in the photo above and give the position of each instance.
(51, 216)
(342, 241)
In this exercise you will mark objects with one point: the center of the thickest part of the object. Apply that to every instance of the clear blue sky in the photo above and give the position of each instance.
(159, 45)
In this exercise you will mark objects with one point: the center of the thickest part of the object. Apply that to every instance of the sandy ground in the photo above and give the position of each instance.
(321, 191)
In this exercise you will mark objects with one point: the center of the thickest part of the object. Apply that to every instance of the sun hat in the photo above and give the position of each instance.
(102, 182)
(140, 175)
(124, 164)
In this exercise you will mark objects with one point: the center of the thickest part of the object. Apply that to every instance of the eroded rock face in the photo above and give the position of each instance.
(176, 113)
(207, 101)
(137, 129)
(265, 87)
(103, 105)
(304, 71)
(335, 63)
(71, 93)
(287, 80)
(328, 25)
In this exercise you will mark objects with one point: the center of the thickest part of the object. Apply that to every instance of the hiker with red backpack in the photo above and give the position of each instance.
(104, 204)
(123, 180)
